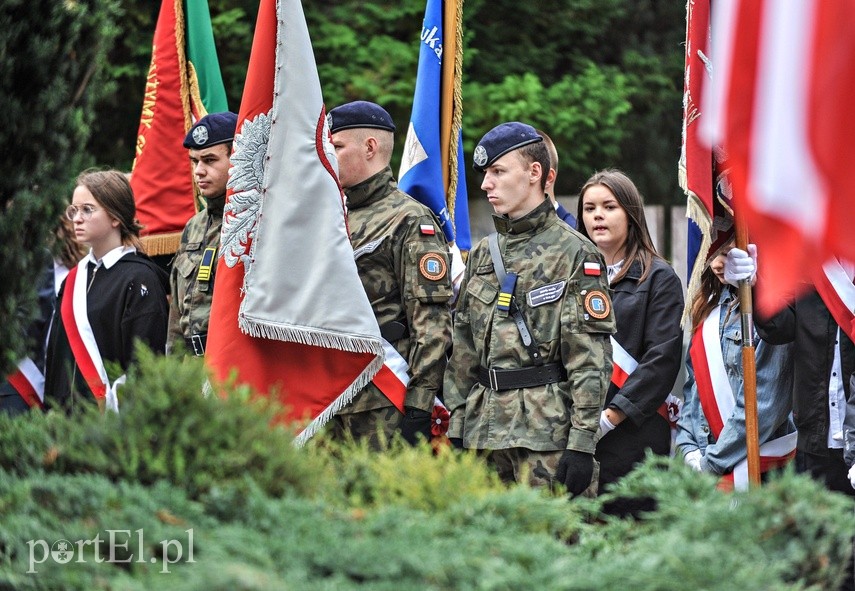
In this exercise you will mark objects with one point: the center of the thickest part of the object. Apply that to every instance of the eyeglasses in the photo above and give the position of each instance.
(85, 211)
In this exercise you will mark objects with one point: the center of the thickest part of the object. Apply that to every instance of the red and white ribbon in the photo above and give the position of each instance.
(28, 382)
(393, 377)
(623, 364)
(718, 401)
(81, 338)
(838, 293)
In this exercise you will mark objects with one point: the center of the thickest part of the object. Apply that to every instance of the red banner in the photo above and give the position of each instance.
(162, 178)
(290, 315)
(784, 79)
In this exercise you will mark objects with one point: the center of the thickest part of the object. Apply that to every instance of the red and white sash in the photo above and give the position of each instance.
(28, 382)
(838, 293)
(81, 339)
(393, 377)
(718, 402)
(623, 364)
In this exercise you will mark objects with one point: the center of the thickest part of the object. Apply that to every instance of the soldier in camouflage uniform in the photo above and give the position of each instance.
(403, 261)
(532, 358)
(192, 276)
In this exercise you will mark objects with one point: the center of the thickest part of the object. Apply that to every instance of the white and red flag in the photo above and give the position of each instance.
(289, 315)
(702, 172)
(780, 105)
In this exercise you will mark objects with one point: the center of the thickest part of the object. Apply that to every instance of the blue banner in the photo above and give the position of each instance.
(421, 163)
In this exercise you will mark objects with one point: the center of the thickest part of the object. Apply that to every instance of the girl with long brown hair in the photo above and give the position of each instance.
(648, 302)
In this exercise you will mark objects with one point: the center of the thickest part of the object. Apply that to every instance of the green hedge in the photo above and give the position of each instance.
(266, 515)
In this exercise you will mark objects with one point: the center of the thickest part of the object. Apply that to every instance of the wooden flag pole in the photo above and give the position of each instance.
(749, 367)
(449, 50)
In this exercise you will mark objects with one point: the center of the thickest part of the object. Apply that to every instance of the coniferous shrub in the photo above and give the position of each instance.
(338, 516)
(165, 430)
(52, 63)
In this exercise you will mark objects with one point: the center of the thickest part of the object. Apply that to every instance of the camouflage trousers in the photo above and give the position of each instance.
(519, 464)
(376, 426)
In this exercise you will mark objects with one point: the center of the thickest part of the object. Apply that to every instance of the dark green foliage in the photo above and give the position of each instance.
(50, 57)
(602, 77)
(166, 431)
(777, 538)
(267, 516)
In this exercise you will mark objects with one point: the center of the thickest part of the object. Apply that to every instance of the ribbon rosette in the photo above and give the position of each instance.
(439, 420)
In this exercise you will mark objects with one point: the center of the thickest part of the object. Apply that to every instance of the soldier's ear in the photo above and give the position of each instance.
(535, 171)
(371, 146)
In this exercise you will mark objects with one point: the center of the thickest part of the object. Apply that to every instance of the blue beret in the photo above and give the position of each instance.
(360, 114)
(210, 130)
(502, 139)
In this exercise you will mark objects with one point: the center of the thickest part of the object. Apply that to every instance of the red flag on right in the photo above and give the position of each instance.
(780, 105)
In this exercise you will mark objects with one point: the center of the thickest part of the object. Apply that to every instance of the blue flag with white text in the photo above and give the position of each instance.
(421, 173)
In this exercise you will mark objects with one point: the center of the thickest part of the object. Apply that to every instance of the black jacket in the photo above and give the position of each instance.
(124, 303)
(808, 323)
(648, 328)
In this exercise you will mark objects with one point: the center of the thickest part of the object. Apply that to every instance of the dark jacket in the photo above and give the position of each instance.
(648, 328)
(808, 323)
(125, 302)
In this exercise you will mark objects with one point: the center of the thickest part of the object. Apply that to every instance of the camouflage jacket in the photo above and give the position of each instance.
(403, 261)
(190, 308)
(567, 309)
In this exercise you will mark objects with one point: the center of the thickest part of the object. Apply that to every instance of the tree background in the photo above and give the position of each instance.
(602, 77)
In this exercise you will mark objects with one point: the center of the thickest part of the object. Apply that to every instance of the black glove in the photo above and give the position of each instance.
(456, 442)
(575, 470)
(416, 422)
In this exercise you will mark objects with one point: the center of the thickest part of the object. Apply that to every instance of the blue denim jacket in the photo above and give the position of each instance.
(774, 397)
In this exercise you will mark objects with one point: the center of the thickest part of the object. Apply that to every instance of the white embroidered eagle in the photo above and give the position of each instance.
(246, 179)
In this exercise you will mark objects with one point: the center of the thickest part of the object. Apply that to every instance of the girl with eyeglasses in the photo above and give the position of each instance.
(113, 297)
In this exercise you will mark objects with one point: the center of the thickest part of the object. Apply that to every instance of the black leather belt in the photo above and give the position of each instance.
(196, 343)
(499, 379)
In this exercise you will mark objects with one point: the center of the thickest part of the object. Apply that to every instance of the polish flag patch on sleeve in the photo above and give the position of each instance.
(593, 269)
(427, 229)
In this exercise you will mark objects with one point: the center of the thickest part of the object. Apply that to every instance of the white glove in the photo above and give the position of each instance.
(852, 476)
(605, 424)
(693, 460)
(740, 265)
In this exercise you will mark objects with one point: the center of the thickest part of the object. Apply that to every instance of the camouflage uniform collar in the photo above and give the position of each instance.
(537, 219)
(215, 205)
(371, 189)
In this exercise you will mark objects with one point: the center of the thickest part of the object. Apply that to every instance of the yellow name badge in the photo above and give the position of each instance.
(207, 264)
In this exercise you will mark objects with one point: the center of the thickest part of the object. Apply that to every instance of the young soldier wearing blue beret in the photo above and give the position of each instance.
(402, 259)
(531, 360)
(192, 279)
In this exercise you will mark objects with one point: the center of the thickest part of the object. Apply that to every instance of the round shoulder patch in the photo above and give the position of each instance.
(432, 266)
(597, 305)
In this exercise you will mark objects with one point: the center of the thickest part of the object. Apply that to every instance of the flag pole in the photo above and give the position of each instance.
(749, 367)
(446, 103)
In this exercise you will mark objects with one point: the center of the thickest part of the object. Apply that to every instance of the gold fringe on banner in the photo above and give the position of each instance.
(187, 89)
(161, 243)
(696, 212)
